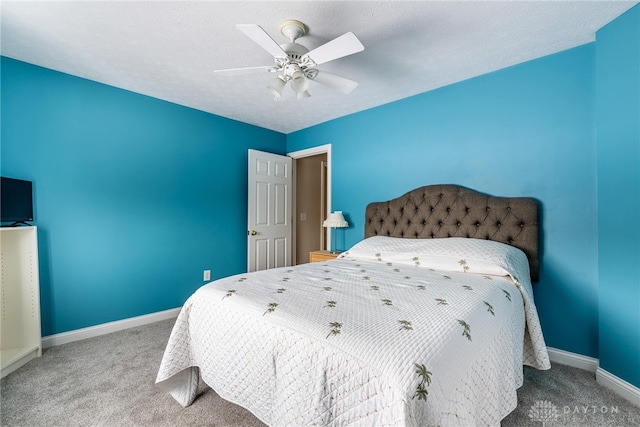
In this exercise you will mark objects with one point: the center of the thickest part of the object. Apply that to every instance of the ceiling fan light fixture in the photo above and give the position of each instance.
(276, 86)
(299, 82)
(303, 95)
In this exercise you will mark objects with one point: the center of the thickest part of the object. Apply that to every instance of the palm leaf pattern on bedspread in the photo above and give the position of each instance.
(335, 328)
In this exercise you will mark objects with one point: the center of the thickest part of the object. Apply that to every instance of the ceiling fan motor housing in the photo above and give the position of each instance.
(294, 51)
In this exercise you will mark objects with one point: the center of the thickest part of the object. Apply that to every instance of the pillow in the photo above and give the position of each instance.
(466, 255)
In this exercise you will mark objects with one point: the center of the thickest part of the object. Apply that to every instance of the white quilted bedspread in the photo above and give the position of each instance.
(387, 334)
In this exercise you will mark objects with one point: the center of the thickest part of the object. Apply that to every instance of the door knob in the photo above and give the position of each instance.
(252, 232)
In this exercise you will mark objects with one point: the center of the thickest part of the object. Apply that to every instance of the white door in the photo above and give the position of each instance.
(269, 230)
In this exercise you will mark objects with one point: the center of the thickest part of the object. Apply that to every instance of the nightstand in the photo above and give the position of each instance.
(319, 256)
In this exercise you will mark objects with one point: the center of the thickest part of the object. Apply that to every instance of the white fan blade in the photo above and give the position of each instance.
(341, 84)
(260, 36)
(346, 44)
(246, 70)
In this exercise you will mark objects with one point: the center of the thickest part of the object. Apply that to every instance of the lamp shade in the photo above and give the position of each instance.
(335, 220)
(276, 87)
(303, 95)
(299, 82)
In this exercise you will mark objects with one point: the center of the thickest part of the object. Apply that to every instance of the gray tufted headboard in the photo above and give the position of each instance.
(437, 211)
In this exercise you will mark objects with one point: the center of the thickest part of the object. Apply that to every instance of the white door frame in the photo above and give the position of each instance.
(320, 149)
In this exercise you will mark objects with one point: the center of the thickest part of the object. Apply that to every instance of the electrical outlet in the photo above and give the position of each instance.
(206, 275)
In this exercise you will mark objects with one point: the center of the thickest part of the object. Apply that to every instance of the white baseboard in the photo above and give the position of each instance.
(572, 359)
(618, 386)
(606, 379)
(107, 328)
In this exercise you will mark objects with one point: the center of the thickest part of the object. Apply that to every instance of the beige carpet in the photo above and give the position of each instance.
(109, 381)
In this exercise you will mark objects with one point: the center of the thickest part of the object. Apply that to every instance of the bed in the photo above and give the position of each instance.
(427, 321)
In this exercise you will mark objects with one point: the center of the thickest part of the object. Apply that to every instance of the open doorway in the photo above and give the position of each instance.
(312, 200)
(311, 205)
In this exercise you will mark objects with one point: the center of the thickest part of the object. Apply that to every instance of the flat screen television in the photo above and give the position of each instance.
(16, 200)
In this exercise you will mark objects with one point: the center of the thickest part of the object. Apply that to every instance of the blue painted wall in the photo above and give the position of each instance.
(618, 142)
(134, 197)
(523, 131)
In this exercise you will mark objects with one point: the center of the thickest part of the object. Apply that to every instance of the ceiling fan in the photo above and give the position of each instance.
(296, 63)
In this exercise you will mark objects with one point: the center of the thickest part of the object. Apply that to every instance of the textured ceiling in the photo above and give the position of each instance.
(169, 50)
